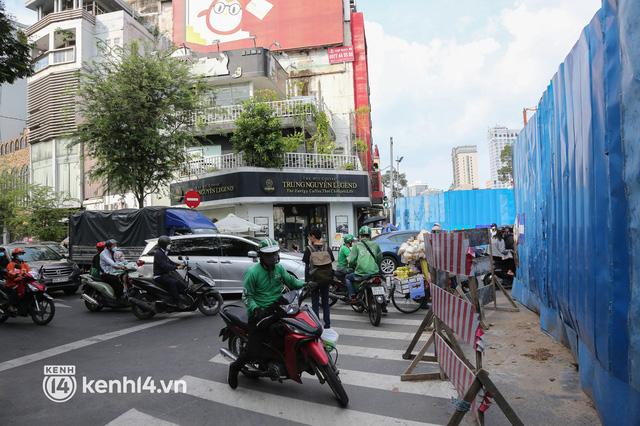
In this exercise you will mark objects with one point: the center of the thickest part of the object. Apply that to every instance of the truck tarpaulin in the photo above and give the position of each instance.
(576, 168)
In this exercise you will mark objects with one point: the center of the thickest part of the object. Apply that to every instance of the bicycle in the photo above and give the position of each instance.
(400, 296)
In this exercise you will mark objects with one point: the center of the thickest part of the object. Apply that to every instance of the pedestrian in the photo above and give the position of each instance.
(318, 259)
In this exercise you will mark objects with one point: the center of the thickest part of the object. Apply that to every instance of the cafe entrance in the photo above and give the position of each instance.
(293, 222)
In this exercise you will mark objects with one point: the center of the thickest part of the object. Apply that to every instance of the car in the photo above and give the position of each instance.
(389, 244)
(225, 257)
(58, 272)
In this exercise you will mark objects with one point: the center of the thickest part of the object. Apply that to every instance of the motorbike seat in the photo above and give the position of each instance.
(237, 314)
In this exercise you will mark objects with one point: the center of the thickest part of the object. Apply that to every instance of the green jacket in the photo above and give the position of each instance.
(361, 261)
(262, 288)
(343, 257)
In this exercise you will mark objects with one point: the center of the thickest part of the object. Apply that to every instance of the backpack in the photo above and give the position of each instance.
(320, 268)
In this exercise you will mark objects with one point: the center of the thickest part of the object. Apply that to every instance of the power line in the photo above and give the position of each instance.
(12, 118)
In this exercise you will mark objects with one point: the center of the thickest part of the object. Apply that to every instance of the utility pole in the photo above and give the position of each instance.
(393, 198)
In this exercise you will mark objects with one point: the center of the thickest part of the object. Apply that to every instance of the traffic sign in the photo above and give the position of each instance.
(192, 199)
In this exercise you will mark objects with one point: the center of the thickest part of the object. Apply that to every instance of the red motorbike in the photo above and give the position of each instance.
(35, 302)
(295, 348)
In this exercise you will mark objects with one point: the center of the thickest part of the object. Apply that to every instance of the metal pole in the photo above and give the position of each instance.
(393, 199)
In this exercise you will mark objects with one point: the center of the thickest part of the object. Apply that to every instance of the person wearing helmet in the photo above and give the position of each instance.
(109, 266)
(263, 285)
(343, 255)
(4, 261)
(96, 271)
(164, 271)
(365, 258)
(17, 269)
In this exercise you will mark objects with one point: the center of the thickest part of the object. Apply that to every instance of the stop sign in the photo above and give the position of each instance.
(192, 199)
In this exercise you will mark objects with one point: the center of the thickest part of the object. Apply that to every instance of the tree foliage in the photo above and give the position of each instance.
(505, 173)
(15, 52)
(399, 182)
(137, 103)
(258, 135)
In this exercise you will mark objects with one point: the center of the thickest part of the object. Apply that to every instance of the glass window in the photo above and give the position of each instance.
(401, 238)
(41, 253)
(195, 247)
(235, 247)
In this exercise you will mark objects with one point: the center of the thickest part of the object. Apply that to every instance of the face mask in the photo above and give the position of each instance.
(19, 257)
(1, 254)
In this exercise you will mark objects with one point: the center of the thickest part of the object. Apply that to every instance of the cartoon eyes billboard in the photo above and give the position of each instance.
(206, 25)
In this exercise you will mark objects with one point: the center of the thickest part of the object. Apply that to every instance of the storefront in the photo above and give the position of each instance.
(287, 204)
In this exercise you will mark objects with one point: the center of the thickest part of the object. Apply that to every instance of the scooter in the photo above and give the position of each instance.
(35, 302)
(148, 297)
(371, 297)
(98, 294)
(285, 358)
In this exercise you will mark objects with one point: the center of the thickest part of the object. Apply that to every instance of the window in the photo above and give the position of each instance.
(401, 238)
(235, 247)
(195, 247)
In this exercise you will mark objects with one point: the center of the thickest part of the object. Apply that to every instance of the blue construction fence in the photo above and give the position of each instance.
(577, 192)
(456, 209)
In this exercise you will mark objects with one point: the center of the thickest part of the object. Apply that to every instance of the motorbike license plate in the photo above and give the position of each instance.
(377, 291)
(59, 280)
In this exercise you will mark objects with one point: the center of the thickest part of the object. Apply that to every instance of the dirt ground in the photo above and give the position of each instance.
(537, 375)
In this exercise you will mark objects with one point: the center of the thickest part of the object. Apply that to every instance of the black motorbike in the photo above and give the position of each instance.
(148, 297)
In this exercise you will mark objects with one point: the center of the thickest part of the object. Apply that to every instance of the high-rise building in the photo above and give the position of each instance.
(465, 167)
(499, 137)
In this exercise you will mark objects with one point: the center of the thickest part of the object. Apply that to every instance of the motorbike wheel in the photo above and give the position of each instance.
(359, 308)
(333, 297)
(374, 308)
(329, 375)
(210, 304)
(142, 313)
(3, 318)
(45, 314)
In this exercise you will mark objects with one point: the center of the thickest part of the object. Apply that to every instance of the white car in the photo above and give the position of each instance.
(225, 257)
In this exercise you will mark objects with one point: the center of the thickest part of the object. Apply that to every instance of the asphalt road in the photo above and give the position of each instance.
(112, 344)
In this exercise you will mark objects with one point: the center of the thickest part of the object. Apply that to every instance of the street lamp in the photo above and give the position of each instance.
(398, 161)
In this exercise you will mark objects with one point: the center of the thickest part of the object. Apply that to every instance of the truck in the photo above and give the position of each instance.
(131, 228)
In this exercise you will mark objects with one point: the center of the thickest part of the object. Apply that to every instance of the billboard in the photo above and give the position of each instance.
(209, 25)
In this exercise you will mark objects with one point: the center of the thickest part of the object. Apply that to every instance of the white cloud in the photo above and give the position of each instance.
(434, 94)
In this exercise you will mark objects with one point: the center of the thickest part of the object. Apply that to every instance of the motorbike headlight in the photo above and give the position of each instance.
(32, 287)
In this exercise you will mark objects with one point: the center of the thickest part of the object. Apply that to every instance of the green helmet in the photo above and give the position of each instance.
(364, 230)
(348, 238)
(269, 246)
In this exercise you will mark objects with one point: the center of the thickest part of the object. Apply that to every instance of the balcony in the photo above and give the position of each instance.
(62, 16)
(292, 160)
(54, 57)
(221, 119)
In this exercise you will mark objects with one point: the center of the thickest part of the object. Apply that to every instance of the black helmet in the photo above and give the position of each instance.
(110, 243)
(164, 241)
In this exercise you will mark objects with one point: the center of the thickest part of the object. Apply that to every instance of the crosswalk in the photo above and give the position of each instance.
(370, 363)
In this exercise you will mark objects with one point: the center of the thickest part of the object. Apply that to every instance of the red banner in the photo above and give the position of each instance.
(341, 54)
(209, 25)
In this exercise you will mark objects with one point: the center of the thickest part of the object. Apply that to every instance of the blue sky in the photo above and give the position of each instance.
(442, 72)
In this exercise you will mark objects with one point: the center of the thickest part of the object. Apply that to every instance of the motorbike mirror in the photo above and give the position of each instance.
(252, 254)
(179, 257)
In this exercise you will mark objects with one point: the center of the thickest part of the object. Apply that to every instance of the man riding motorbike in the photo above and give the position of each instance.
(343, 256)
(263, 284)
(164, 271)
(365, 258)
(109, 266)
(17, 269)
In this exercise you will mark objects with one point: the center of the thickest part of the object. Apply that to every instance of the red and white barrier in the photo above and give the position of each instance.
(457, 313)
(447, 251)
(459, 374)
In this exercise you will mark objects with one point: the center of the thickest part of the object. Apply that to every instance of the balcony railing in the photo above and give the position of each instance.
(283, 109)
(55, 57)
(292, 160)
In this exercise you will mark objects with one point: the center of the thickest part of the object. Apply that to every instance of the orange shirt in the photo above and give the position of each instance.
(14, 273)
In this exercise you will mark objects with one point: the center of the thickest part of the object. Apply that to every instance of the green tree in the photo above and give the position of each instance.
(15, 52)
(258, 135)
(399, 182)
(137, 103)
(505, 173)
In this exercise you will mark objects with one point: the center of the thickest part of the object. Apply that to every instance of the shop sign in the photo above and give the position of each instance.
(341, 54)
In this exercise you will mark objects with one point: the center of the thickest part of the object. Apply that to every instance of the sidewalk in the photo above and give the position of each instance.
(537, 375)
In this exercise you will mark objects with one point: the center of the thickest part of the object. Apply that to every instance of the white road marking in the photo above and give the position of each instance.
(290, 409)
(62, 305)
(363, 318)
(374, 353)
(28, 359)
(134, 417)
(385, 382)
(374, 333)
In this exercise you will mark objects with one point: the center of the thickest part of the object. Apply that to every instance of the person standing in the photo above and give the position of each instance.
(318, 259)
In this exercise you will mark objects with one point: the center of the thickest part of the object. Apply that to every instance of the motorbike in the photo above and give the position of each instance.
(35, 302)
(371, 297)
(300, 350)
(148, 297)
(98, 294)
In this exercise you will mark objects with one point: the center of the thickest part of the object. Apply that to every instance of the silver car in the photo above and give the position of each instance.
(225, 257)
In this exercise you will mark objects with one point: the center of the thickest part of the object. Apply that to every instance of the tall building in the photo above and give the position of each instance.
(499, 137)
(465, 167)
